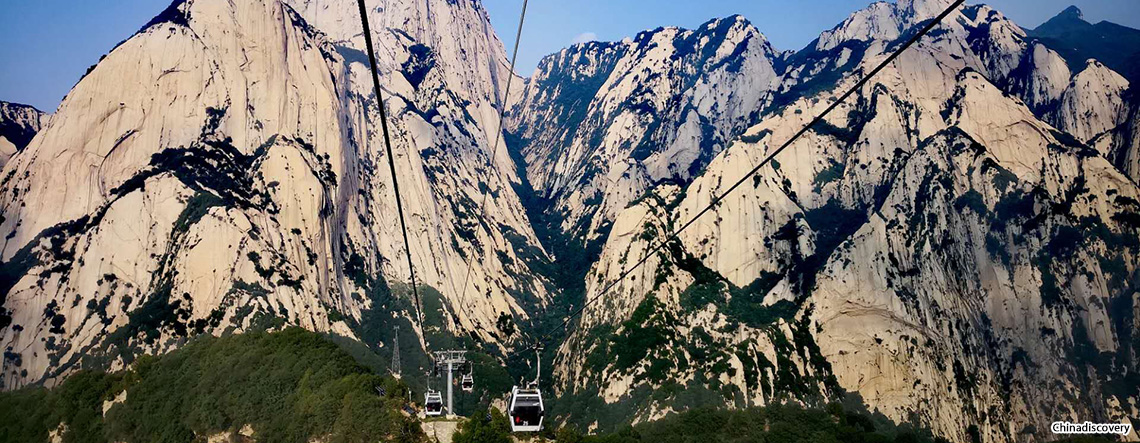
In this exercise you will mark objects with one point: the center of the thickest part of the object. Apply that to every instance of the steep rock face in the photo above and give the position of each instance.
(1085, 99)
(1093, 104)
(573, 114)
(469, 55)
(1066, 87)
(223, 170)
(880, 21)
(18, 124)
(933, 246)
(1122, 144)
(998, 272)
(1099, 107)
(157, 216)
(445, 73)
(599, 123)
(1047, 78)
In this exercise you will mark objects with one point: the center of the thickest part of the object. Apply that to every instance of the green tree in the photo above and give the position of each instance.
(484, 427)
(568, 434)
(289, 386)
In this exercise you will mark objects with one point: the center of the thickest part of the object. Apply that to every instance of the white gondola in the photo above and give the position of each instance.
(467, 383)
(433, 404)
(526, 409)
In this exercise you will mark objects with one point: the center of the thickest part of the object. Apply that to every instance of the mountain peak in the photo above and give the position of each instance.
(1077, 40)
(919, 10)
(735, 18)
(1072, 12)
(1072, 18)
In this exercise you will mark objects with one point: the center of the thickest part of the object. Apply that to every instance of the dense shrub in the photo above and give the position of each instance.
(289, 386)
(487, 426)
(776, 423)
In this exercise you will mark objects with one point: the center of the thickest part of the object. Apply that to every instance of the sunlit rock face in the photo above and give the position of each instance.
(956, 243)
(953, 244)
(600, 123)
(223, 169)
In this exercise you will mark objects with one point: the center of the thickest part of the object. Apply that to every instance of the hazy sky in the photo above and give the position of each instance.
(49, 44)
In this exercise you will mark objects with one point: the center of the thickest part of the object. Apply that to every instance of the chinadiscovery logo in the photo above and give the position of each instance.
(1064, 427)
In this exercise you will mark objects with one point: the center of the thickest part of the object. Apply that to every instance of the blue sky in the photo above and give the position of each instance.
(49, 44)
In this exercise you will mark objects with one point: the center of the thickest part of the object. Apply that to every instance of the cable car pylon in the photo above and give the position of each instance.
(450, 361)
(395, 368)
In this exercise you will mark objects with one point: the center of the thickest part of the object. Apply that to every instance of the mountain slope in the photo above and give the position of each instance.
(956, 244)
(1077, 40)
(288, 386)
(444, 108)
(241, 186)
(934, 246)
(600, 123)
(172, 188)
(592, 144)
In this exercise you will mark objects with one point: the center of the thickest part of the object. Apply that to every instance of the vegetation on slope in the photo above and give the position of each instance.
(775, 423)
(377, 327)
(288, 386)
(487, 426)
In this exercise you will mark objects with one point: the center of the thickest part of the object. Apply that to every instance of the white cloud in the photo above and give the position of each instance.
(584, 37)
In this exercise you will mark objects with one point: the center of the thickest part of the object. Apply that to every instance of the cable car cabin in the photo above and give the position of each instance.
(468, 383)
(433, 404)
(526, 410)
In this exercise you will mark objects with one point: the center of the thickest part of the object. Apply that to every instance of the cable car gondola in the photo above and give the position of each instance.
(433, 404)
(526, 409)
(467, 382)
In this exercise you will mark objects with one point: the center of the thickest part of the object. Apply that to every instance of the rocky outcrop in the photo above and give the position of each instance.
(222, 170)
(956, 244)
(1093, 104)
(600, 123)
(934, 246)
(18, 125)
